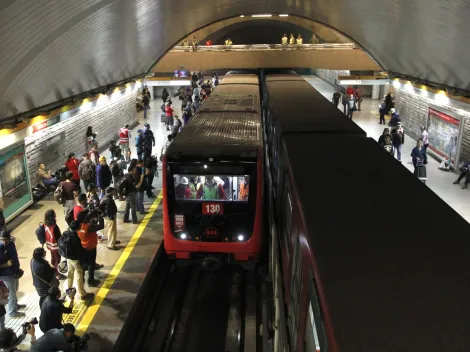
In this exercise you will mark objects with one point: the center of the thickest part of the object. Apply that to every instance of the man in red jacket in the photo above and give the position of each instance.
(124, 137)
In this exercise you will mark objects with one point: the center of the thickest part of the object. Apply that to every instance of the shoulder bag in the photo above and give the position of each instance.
(54, 281)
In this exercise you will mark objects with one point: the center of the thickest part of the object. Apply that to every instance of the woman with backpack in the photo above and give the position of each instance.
(52, 232)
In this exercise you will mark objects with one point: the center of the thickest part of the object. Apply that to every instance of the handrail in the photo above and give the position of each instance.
(257, 47)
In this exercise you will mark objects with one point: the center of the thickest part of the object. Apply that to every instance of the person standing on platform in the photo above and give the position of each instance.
(140, 189)
(90, 136)
(124, 138)
(351, 106)
(149, 141)
(151, 165)
(299, 40)
(93, 153)
(103, 176)
(388, 102)
(89, 238)
(228, 42)
(69, 191)
(146, 102)
(417, 154)
(336, 98)
(139, 144)
(382, 112)
(358, 96)
(425, 138)
(344, 101)
(87, 171)
(72, 165)
(128, 189)
(398, 138)
(165, 95)
(43, 274)
(53, 234)
(10, 273)
(110, 217)
(314, 39)
(70, 247)
(169, 115)
(381, 140)
(292, 39)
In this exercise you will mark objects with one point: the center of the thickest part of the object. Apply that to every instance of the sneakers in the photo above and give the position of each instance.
(456, 182)
(117, 242)
(98, 266)
(17, 314)
(87, 296)
(126, 221)
(93, 283)
(113, 248)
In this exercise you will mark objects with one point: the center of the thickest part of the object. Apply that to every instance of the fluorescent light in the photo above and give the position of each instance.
(205, 166)
(183, 236)
(284, 15)
(242, 15)
(261, 15)
(240, 238)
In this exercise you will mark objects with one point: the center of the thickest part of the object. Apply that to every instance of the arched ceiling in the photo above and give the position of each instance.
(51, 49)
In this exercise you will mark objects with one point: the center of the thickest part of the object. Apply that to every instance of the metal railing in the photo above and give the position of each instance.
(262, 47)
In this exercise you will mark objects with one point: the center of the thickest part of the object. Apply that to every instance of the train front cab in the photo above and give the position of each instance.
(299, 315)
(227, 223)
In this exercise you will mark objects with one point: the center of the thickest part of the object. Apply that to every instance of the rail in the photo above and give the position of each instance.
(262, 47)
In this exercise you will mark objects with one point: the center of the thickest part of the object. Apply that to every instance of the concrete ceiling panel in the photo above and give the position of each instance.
(51, 49)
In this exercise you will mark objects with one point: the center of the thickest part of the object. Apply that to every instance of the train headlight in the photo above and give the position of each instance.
(183, 236)
(240, 237)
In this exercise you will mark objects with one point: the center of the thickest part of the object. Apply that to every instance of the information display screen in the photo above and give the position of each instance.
(443, 133)
(15, 191)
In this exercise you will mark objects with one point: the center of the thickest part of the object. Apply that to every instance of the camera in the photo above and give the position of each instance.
(79, 344)
(27, 325)
(94, 211)
(71, 292)
(114, 149)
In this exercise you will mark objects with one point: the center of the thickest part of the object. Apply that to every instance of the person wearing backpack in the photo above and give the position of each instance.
(10, 273)
(103, 176)
(70, 247)
(52, 237)
(118, 172)
(110, 217)
(128, 189)
(87, 171)
(43, 274)
(139, 144)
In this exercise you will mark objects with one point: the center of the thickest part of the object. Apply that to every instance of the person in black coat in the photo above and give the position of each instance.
(42, 273)
(52, 310)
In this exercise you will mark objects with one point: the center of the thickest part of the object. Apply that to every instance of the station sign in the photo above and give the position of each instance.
(45, 124)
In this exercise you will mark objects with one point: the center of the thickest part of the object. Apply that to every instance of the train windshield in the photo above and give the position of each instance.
(221, 188)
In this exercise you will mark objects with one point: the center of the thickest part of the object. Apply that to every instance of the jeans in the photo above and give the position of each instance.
(12, 284)
(125, 150)
(48, 182)
(140, 200)
(130, 207)
(91, 260)
(75, 266)
(398, 149)
(112, 231)
(382, 117)
(150, 178)
(350, 112)
(146, 107)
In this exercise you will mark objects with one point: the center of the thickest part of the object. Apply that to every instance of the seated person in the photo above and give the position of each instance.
(244, 189)
(52, 310)
(182, 191)
(56, 340)
(210, 190)
(44, 177)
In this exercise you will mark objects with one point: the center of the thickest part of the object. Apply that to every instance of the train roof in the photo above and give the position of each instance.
(285, 76)
(233, 97)
(299, 107)
(392, 257)
(227, 124)
(244, 79)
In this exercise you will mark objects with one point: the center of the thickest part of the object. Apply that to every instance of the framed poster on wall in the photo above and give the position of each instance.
(445, 131)
(15, 190)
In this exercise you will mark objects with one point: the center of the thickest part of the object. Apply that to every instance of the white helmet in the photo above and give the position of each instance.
(392, 110)
(184, 181)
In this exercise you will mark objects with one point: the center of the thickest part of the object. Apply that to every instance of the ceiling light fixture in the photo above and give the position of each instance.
(284, 15)
(261, 15)
(242, 15)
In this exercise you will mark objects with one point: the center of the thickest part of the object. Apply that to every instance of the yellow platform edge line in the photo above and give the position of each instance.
(105, 288)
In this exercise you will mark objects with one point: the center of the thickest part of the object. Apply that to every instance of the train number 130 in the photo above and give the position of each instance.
(212, 208)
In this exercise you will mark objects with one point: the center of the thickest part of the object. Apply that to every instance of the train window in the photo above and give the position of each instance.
(311, 335)
(295, 289)
(212, 187)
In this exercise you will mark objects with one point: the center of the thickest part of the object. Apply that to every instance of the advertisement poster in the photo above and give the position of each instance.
(443, 131)
(15, 192)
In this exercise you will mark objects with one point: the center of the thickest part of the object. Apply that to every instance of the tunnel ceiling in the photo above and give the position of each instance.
(52, 49)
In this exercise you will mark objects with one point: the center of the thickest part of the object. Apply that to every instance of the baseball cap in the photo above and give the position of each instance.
(102, 158)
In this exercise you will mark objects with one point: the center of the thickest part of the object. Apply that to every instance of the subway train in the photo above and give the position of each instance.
(213, 178)
(363, 256)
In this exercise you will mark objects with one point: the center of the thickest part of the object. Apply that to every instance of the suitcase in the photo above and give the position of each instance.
(163, 118)
(420, 173)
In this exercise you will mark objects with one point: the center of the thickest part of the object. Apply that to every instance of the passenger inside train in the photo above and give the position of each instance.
(212, 187)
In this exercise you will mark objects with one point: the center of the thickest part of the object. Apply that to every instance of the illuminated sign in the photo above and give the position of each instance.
(179, 222)
(211, 232)
(45, 124)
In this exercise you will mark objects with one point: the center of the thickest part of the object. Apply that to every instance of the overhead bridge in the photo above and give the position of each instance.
(346, 56)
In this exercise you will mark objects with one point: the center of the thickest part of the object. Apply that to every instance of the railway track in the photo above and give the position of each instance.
(196, 309)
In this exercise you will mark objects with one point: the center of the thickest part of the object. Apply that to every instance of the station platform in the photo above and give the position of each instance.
(124, 270)
(438, 181)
